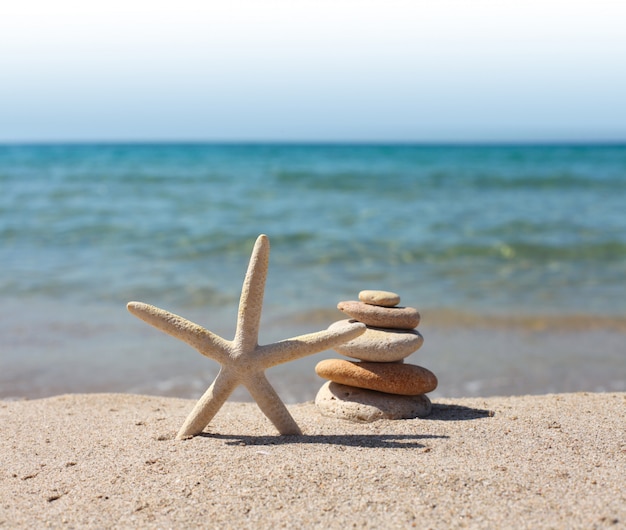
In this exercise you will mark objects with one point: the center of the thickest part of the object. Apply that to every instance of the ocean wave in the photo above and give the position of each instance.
(539, 253)
(416, 181)
(390, 251)
(561, 181)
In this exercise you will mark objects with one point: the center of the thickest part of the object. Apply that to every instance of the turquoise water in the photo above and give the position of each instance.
(486, 230)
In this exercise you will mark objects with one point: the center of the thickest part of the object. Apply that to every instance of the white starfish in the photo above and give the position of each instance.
(242, 360)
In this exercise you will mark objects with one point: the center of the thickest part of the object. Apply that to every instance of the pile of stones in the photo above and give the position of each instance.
(379, 385)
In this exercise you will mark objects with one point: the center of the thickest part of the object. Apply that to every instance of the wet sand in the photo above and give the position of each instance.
(111, 460)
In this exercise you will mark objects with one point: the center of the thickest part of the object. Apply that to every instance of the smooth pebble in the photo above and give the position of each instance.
(380, 344)
(393, 378)
(361, 405)
(381, 317)
(379, 298)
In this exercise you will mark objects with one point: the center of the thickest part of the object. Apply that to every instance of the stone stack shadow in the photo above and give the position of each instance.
(379, 385)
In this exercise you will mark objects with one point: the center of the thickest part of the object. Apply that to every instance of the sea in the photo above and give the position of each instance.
(515, 256)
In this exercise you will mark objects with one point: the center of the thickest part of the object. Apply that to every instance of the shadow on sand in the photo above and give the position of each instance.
(458, 413)
(389, 441)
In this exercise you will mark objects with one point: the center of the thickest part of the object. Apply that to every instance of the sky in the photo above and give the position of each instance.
(299, 70)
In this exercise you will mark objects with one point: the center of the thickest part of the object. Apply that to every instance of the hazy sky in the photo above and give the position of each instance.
(319, 70)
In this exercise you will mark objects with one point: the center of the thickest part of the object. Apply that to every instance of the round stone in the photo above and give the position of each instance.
(380, 344)
(359, 404)
(393, 378)
(380, 298)
(381, 317)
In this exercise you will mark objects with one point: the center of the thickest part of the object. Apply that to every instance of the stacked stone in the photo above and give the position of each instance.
(378, 385)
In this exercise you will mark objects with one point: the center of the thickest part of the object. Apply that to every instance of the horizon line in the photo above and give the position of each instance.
(355, 143)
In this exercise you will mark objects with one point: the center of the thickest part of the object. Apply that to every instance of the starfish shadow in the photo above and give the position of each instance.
(458, 413)
(386, 441)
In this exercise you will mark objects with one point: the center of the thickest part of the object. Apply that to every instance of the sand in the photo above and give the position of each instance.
(111, 461)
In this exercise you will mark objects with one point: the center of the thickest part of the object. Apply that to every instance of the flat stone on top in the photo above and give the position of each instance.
(382, 345)
(381, 317)
(393, 378)
(362, 405)
(379, 298)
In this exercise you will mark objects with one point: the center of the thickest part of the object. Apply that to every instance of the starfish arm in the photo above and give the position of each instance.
(251, 301)
(208, 405)
(207, 343)
(270, 404)
(297, 347)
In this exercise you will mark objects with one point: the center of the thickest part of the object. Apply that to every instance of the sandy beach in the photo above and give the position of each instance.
(111, 460)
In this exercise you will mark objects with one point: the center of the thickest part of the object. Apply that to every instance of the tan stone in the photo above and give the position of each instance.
(362, 405)
(379, 298)
(381, 317)
(393, 378)
(380, 344)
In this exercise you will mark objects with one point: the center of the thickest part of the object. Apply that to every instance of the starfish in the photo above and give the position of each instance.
(242, 360)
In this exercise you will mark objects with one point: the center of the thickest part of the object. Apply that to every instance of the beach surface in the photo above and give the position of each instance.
(111, 460)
